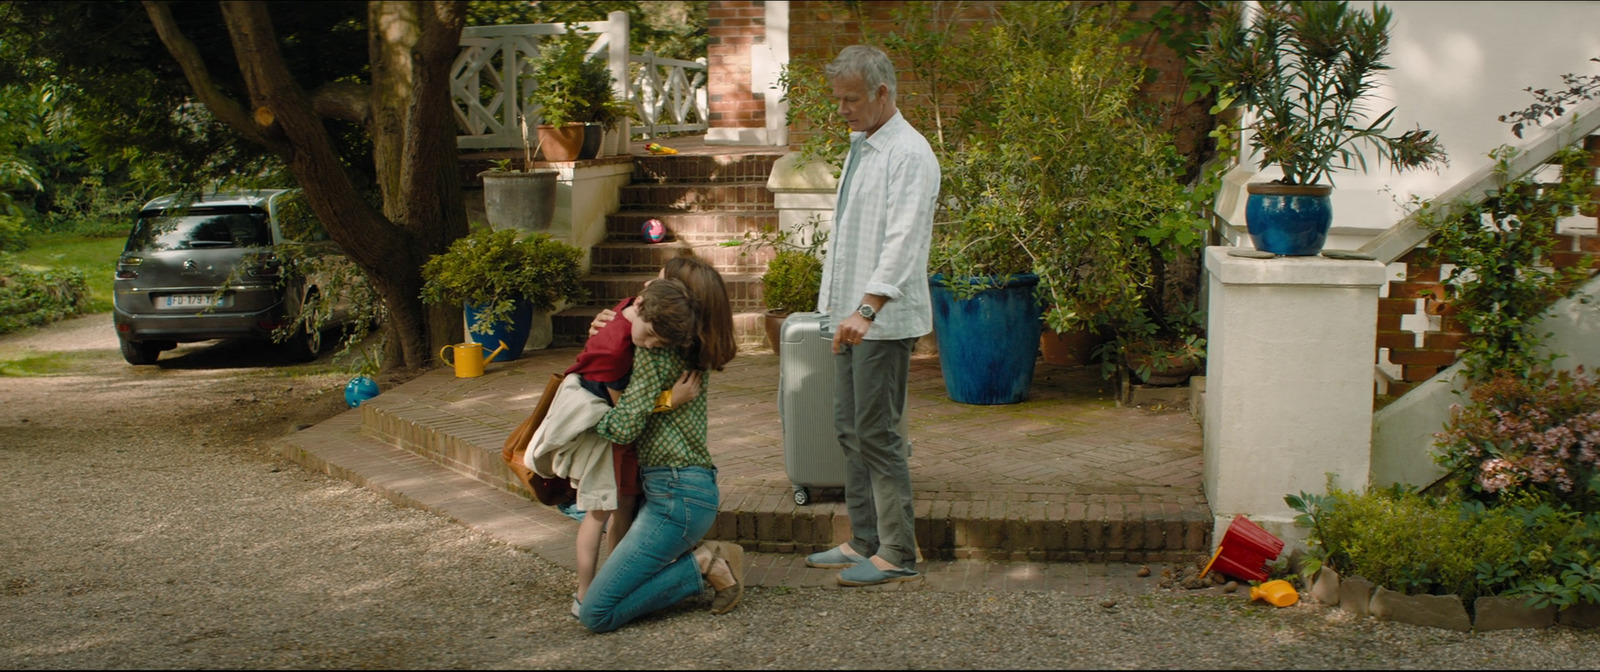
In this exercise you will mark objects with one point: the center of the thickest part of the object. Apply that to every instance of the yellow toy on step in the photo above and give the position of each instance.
(656, 148)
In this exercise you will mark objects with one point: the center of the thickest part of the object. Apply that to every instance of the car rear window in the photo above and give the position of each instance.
(199, 228)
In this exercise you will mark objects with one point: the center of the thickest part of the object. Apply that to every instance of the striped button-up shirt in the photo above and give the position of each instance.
(881, 231)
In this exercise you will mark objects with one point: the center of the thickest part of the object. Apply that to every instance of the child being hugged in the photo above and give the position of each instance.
(606, 475)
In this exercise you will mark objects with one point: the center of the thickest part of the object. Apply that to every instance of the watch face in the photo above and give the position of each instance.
(867, 311)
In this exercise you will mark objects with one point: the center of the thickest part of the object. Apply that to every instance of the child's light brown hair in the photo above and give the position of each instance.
(669, 308)
(714, 345)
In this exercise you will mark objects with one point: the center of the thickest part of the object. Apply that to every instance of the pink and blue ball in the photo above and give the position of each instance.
(653, 230)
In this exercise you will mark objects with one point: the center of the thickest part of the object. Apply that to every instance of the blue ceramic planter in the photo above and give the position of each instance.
(988, 344)
(1291, 220)
(513, 333)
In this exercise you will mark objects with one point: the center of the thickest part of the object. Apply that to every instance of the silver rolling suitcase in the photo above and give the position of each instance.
(811, 453)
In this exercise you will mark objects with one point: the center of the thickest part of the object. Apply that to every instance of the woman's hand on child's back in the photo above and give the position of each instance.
(605, 317)
(686, 389)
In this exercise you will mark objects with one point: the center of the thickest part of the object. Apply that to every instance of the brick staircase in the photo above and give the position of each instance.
(705, 201)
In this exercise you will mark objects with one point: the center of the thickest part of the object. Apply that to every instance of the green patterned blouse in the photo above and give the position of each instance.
(675, 438)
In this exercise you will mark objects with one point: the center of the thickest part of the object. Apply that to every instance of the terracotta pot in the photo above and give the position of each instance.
(561, 144)
(1173, 370)
(1074, 348)
(773, 321)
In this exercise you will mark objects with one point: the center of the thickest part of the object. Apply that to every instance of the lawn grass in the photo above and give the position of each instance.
(96, 257)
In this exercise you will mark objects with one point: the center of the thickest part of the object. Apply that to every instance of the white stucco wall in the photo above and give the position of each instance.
(1457, 66)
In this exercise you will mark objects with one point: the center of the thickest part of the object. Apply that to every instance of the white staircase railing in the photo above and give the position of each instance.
(490, 78)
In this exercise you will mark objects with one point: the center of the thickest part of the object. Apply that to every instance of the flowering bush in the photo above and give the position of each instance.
(1537, 435)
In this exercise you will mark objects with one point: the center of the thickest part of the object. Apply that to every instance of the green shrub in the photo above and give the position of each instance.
(492, 269)
(31, 298)
(13, 233)
(1409, 542)
(791, 282)
(1538, 436)
(1416, 544)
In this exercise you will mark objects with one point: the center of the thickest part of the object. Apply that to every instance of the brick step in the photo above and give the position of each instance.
(635, 257)
(713, 227)
(697, 197)
(464, 432)
(703, 167)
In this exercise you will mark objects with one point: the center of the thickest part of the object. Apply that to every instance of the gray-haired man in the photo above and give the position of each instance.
(875, 295)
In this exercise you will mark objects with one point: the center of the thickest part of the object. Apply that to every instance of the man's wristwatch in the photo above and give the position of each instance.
(866, 311)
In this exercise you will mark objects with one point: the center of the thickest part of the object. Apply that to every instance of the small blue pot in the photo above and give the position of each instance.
(1290, 220)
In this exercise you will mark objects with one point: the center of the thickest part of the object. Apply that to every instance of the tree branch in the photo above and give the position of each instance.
(343, 100)
(222, 107)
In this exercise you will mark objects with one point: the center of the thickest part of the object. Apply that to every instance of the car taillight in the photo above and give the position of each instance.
(125, 266)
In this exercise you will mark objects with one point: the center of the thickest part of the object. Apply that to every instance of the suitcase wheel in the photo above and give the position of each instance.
(802, 496)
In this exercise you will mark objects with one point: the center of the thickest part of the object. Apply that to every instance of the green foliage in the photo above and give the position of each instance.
(1052, 165)
(792, 282)
(29, 298)
(669, 29)
(1306, 69)
(568, 85)
(1408, 542)
(94, 257)
(492, 269)
(812, 110)
(1534, 435)
(1503, 281)
(1416, 544)
(794, 276)
(1551, 104)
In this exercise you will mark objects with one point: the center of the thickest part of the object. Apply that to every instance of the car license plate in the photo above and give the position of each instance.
(193, 301)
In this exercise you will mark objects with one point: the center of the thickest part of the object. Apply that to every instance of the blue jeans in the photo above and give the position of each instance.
(653, 568)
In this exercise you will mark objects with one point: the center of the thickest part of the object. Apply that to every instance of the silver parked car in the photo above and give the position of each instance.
(197, 269)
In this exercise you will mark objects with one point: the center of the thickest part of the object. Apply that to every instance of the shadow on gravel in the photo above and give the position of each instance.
(233, 354)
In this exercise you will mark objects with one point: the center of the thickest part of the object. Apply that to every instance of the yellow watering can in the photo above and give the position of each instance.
(468, 358)
(1278, 593)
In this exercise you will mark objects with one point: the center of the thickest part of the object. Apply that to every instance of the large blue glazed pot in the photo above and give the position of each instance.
(1289, 220)
(514, 333)
(988, 343)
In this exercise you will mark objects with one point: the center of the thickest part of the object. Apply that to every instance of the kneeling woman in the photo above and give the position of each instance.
(661, 560)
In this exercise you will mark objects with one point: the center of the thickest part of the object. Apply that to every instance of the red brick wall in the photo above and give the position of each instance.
(732, 27)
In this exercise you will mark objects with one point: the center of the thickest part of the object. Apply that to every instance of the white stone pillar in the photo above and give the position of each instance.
(1289, 383)
(801, 192)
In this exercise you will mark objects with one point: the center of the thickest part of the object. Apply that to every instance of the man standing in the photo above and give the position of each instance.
(875, 297)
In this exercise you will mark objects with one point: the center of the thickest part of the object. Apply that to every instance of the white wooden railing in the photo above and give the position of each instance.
(490, 76)
(670, 95)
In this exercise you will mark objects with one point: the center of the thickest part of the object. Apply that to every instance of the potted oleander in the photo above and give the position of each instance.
(1304, 72)
(502, 279)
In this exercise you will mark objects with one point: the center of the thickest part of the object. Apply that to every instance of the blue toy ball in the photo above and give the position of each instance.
(361, 388)
(653, 230)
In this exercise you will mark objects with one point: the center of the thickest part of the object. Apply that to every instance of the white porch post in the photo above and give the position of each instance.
(1289, 383)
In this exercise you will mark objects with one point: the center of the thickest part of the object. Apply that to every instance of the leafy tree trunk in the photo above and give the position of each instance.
(407, 114)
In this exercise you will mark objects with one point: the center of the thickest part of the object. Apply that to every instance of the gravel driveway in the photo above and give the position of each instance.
(147, 526)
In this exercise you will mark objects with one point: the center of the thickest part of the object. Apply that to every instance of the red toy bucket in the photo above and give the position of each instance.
(1244, 551)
